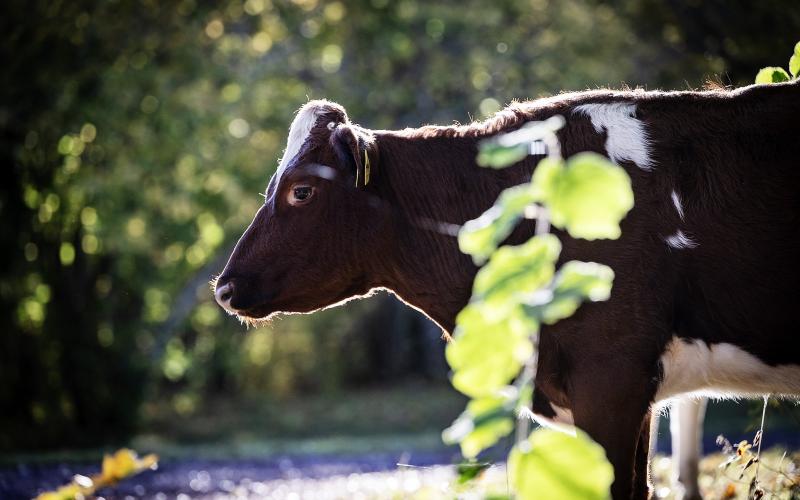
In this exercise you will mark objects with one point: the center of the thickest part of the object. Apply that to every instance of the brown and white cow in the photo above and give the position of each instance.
(706, 268)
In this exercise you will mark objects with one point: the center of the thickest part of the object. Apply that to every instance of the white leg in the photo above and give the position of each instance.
(686, 427)
(655, 418)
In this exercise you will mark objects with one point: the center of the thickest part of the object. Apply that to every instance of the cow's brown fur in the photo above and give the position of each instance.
(732, 156)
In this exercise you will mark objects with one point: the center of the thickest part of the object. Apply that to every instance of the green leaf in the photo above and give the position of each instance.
(480, 237)
(504, 150)
(474, 438)
(485, 436)
(772, 74)
(560, 466)
(517, 270)
(480, 372)
(485, 421)
(574, 283)
(468, 471)
(545, 178)
(504, 402)
(589, 197)
(495, 155)
(794, 61)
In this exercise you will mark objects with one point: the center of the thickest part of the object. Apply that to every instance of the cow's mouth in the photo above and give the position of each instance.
(258, 312)
(268, 308)
(265, 306)
(253, 308)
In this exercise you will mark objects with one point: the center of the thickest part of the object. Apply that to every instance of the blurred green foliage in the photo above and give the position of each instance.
(136, 137)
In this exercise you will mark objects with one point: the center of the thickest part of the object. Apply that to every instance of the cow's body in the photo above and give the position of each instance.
(704, 295)
(708, 252)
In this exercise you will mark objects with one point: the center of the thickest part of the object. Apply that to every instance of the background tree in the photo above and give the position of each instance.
(136, 136)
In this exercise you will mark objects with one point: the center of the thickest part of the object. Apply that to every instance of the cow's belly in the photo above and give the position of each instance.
(722, 370)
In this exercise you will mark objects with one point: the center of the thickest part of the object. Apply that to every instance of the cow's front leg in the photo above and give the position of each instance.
(641, 479)
(613, 408)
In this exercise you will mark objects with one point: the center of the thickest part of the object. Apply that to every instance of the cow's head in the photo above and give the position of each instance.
(312, 243)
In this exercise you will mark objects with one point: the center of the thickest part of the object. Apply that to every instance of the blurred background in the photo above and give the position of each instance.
(137, 136)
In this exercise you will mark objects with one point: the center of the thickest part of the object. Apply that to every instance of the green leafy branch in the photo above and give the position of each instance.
(776, 74)
(494, 350)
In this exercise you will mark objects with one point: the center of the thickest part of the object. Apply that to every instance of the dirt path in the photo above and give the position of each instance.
(279, 477)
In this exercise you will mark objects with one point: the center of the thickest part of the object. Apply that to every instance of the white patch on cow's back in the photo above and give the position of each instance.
(301, 126)
(722, 370)
(680, 241)
(626, 137)
(676, 200)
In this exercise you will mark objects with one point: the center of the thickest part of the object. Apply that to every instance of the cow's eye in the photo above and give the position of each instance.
(300, 194)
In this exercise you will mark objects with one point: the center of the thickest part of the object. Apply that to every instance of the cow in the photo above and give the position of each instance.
(706, 270)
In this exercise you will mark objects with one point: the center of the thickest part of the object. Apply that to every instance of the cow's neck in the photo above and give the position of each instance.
(433, 186)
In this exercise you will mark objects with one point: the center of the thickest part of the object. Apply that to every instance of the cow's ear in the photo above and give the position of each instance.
(357, 151)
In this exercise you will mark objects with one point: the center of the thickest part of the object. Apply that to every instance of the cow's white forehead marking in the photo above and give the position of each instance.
(298, 133)
(626, 137)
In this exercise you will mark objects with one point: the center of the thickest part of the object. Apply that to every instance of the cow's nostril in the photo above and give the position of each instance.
(223, 294)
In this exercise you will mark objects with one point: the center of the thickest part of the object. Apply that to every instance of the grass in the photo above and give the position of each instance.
(778, 478)
(409, 408)
(377, 419)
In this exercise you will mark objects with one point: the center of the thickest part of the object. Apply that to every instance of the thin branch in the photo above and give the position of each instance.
(760, 435)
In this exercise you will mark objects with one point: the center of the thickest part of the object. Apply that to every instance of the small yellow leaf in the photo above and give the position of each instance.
(743, 448)
(148, 462)
(49, 495)
(108, 468)
(69, 491)
(120, 465)
(115, 467)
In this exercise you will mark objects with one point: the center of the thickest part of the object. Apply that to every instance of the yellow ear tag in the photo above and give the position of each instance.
(366, 167)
